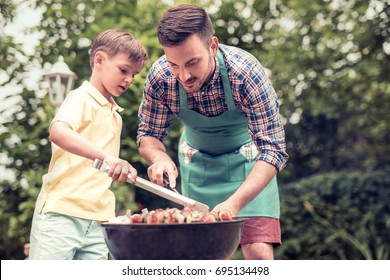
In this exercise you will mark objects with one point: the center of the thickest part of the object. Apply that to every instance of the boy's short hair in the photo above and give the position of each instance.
(114, 41)
(179, 23)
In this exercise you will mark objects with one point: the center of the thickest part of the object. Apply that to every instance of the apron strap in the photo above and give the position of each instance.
(226, 83)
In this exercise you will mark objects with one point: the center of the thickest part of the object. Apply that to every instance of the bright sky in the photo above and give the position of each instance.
(25, 17)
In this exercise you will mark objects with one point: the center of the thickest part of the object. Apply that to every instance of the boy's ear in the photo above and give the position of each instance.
(99, 58)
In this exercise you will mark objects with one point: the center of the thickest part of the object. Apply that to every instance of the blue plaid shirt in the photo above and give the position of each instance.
(253, 95)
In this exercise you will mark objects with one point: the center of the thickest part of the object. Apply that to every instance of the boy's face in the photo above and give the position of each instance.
(191, 62)
(116, 73)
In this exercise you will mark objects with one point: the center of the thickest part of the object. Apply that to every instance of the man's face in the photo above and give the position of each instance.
(192, 62)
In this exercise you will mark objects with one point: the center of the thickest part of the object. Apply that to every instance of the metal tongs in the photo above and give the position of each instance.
(159, 190)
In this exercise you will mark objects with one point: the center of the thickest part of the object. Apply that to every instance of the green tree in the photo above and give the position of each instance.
(329, 64)
(22, 137)
(69, 28)
(328, 61)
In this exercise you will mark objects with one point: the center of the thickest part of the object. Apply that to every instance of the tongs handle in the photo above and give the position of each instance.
(158, 190)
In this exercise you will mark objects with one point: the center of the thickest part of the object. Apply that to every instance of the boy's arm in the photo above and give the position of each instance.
(66, 138)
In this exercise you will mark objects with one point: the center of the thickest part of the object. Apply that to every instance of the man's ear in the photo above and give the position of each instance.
(214, 45)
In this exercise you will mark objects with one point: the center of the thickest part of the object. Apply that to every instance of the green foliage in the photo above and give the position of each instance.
(340, 215)
(329, 65)
(25, 144)
(329, 62)
(69, 28)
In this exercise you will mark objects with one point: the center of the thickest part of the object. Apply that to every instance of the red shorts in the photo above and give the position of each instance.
(261, 229)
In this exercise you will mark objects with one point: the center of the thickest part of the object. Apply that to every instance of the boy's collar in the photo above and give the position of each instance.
(95, 94)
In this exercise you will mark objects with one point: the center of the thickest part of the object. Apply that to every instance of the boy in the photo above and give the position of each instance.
(75, 197)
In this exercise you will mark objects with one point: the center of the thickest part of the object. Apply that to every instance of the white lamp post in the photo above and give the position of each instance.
(61, 80)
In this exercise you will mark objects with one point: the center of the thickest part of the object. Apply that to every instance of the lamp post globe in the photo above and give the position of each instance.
(61, 80)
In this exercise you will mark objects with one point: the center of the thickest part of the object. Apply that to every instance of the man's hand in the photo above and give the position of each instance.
(156, 172)
(227, 205)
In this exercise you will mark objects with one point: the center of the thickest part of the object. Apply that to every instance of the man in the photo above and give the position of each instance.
(233, 142)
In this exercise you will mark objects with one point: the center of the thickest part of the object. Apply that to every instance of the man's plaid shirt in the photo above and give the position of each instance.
(253, 95)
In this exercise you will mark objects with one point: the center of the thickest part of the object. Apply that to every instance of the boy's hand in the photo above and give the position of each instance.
(120, 169)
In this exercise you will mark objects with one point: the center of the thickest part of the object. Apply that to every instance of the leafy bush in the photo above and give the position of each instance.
(344, 215)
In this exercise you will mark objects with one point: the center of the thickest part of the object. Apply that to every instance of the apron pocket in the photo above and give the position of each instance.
(249, 151)
(242, 161)
(192, 167)
(196, 169)
(186, 152)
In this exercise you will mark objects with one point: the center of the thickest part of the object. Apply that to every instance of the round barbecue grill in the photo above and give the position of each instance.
(194, 241)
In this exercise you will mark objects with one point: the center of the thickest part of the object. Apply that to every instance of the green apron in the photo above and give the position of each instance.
(213, 156)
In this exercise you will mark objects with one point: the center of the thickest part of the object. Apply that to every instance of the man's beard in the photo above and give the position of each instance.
(199, 83)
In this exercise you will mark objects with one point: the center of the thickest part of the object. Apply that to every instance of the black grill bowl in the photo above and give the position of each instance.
(195, 241)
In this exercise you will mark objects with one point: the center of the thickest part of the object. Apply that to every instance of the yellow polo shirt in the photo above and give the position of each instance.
(72, 186)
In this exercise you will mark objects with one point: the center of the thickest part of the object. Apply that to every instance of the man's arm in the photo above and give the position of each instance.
(259, 177)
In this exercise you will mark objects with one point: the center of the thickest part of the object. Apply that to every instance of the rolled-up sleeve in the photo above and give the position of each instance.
(265, 124)
(154, 115)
